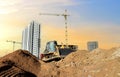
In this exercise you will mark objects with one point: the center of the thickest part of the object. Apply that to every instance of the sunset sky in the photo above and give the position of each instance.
(89, 20)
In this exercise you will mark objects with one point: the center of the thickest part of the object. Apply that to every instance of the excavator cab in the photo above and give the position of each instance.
(50, 47)
(51, 51)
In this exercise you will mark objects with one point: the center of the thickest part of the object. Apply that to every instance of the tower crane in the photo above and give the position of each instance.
(65, 15)
(14, 42)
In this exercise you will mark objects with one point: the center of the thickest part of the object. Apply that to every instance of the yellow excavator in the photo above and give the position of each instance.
(55, 52)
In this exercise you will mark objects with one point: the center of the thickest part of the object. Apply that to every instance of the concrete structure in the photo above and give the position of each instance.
(92, 45)
(31, 38)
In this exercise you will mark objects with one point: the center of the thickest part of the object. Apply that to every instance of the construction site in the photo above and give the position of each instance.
(82, 63)
(58, 60)
(59, 38)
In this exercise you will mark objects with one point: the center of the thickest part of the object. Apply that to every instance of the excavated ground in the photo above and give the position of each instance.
(97, 63)
(19, 64)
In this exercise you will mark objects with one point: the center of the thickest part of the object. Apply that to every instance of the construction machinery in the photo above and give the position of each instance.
(65, 15)
(55, 52)
(14, 42)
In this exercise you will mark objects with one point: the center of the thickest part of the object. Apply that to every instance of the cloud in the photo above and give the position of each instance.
(28, 10)
(7, 10)
(9, 2)
(8, 6)
(61, 2)
(46, 2)
(11, 6)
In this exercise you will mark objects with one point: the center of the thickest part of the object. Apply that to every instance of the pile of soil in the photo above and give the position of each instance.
(97, 63)
(20, 63)
(82, 63)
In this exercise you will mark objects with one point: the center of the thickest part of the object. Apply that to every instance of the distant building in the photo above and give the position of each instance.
(31, 38)
(92, 45)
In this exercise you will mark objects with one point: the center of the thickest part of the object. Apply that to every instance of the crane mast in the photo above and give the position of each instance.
(14, 42)
(65, 15)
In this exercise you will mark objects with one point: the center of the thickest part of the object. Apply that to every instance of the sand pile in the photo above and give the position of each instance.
(116, 54)
(49, 70)
(20, 63)
(98, 63)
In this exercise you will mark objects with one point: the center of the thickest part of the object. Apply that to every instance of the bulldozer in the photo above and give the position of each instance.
(55, 52)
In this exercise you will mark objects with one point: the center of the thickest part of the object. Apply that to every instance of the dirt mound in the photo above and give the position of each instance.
(49, 70)
(116, 54)
(12, 71)
(20, 63)
(97, 63)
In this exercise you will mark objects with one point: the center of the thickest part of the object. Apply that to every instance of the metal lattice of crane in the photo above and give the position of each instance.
(14, 42)
(65, 15)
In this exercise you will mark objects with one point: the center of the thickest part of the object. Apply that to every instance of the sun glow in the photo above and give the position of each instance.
(7, 11)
